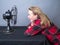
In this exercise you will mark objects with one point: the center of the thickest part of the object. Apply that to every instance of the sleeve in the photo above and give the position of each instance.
(37, 27)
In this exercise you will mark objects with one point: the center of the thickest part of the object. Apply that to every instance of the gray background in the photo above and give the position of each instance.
(49, 7)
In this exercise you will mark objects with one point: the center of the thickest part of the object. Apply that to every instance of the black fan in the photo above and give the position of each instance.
(11, 17)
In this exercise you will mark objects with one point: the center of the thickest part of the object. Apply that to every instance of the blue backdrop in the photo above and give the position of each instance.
(49, 7)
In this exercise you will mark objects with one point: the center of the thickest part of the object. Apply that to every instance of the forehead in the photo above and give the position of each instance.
(30, 12)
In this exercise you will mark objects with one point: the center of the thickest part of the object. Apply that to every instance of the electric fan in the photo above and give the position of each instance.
(11, 17)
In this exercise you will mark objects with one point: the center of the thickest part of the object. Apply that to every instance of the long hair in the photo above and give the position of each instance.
(43, 17)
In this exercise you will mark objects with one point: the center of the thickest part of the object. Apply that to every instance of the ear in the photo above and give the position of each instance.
(37, 16)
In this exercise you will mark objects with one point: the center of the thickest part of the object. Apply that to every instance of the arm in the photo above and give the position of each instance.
(36, 27)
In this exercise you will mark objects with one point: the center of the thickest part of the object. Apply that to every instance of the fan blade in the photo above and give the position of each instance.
(14, 15)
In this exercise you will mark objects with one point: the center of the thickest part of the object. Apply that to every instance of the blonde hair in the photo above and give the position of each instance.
(43, 17)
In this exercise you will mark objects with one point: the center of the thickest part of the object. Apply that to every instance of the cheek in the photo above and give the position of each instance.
(30, 17)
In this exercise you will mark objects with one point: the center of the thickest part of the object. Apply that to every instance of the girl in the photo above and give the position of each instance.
(40, 23)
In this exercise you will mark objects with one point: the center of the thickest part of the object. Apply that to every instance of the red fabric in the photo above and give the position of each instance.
(52, 30)
(31, 31)
(56, 43)
(58, 36)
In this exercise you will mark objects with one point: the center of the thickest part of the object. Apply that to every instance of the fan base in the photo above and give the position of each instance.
(8, 31)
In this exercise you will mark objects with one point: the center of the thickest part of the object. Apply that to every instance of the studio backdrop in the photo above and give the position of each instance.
(49, 7)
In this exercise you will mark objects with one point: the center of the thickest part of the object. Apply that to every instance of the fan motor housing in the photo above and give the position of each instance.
(7, 15)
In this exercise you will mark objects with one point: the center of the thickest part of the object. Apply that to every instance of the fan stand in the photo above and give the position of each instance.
(8, 30)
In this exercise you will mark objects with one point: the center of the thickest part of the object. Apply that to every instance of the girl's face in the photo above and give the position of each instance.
(31, 15)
